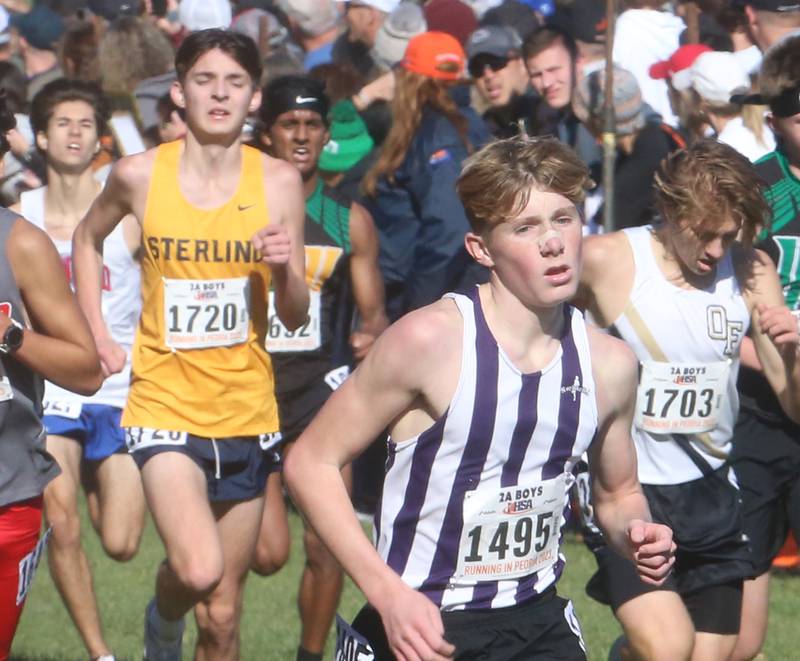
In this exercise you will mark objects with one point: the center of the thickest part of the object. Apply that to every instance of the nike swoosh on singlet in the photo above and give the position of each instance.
(244, 207)
(304, 99)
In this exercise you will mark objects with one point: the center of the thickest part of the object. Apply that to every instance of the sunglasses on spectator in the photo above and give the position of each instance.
(477, 65)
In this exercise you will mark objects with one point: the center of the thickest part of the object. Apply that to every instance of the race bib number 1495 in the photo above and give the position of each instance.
(511, 532)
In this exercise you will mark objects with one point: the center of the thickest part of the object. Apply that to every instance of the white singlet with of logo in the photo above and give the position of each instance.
(511, 532)
(683, 398)
(306, 338)
(200, 314)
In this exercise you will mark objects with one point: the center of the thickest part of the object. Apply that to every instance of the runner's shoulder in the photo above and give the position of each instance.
(422, 340)
(614, 365)
(603, 250)
(132, 172)
(280, 173)
(27, 241)
(751, 265)
(29, 249)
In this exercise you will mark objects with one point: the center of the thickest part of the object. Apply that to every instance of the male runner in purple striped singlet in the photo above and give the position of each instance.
(491, 398)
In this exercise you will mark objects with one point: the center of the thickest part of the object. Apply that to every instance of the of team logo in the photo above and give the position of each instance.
(721, 328)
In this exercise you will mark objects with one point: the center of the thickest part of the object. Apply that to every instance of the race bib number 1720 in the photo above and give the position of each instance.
(200, 314)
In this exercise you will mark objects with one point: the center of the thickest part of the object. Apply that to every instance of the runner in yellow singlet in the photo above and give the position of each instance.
(221, 225)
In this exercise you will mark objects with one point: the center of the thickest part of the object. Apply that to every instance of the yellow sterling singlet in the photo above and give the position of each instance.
(199, 363)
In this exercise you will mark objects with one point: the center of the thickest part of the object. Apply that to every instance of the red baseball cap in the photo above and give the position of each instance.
(681, 60)
(436, 55)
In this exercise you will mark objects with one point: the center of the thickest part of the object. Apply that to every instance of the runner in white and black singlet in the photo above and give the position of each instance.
(683, 294)
(490, 398)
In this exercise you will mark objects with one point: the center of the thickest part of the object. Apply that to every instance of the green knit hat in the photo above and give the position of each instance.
(349, 141)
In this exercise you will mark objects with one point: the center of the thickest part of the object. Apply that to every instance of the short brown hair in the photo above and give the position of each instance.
(495, 183)
(545, 37)
(707, 182)
(240, 48)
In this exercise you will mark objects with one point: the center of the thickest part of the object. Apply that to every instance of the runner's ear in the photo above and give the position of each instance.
(255, 102)
(176, 92)
(478, 250)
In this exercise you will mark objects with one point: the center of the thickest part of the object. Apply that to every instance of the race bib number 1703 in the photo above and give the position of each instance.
(200, 314)
(681, 398)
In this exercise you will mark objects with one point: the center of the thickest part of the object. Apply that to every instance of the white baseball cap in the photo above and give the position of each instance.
(386, 6)
(196, 15)
(716, 76)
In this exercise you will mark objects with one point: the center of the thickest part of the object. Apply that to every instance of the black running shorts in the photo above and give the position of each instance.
(705, 517)
(766, 458)
(541, 628)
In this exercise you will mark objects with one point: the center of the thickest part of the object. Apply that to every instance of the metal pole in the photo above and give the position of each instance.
(692, 19)
(609, 136)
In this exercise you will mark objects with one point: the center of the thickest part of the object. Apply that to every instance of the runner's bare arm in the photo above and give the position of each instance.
(607, 262)
(123, 194)
(367, 281)
(281, 242)
(388, 382)
(60, 345)
(775, 334)
(620, 505)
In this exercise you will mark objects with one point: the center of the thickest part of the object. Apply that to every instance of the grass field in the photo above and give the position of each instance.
(270, 625)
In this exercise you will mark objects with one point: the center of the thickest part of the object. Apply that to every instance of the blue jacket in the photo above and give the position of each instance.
(420, 220)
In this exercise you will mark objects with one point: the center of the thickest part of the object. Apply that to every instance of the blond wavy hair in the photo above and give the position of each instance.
(496, 182)
(707, 182)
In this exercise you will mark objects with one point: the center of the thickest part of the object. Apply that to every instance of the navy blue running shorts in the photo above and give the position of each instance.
(235, 468)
